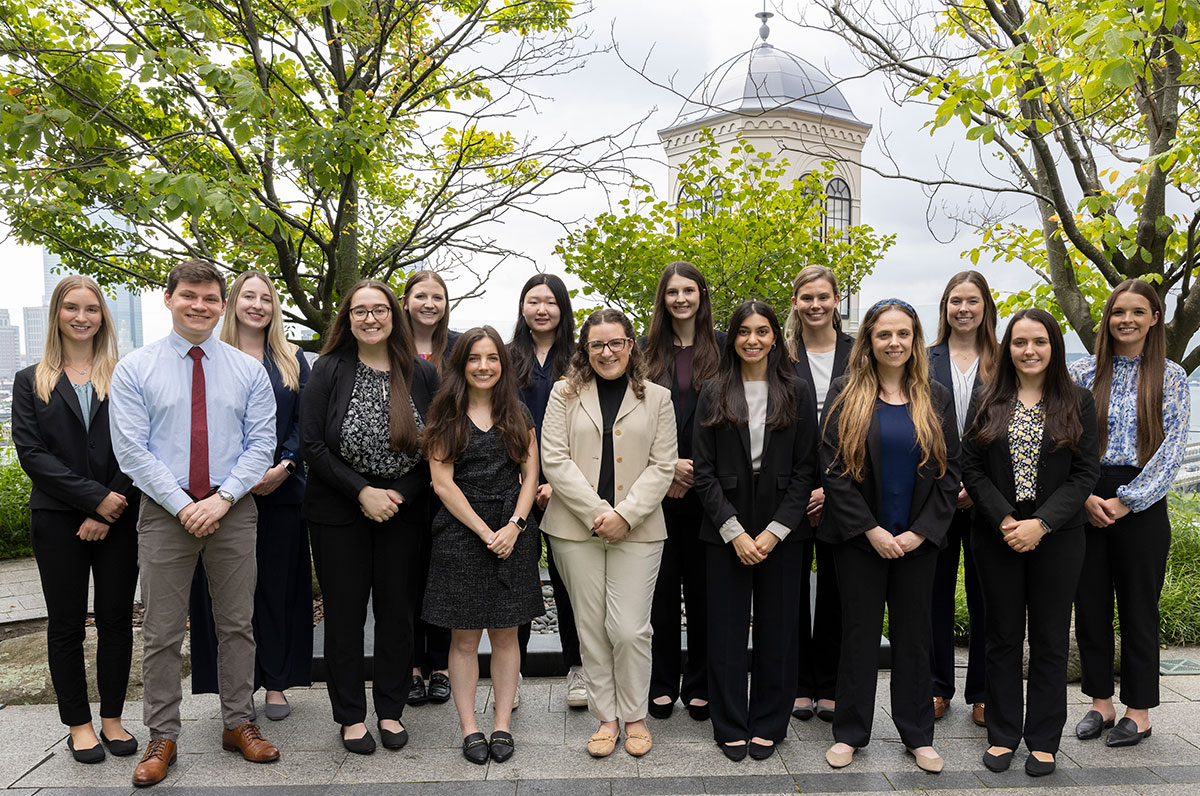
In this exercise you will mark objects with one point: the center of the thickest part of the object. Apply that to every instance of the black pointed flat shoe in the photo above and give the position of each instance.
(359, 746)
(501, 746)
(825, 714)
(1126, 733)
(735, 752)
(120, 748)
(760, 751)
(1038, 768)
(661, 711)
(805, 713)
(1091, 725)
(999, 762)
(94, 754)
(475, 748)
(393, 740)
(698, 712)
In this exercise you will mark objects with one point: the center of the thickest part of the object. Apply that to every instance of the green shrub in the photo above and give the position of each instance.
(14, 507)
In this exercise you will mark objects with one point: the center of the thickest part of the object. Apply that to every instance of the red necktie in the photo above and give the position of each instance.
(198, 483)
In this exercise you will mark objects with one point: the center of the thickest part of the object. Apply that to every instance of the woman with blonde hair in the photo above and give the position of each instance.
(886, 416)
(283, 593)
(82, 523)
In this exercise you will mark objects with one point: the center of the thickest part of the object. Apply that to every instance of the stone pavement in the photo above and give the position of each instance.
(551, 759)
(20, 591)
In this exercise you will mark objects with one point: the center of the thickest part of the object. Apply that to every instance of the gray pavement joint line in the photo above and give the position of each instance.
(46, 756)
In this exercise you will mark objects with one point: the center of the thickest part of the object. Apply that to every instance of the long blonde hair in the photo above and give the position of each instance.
(283, 352)
(855, 405)
(793, 329)
(104, 344)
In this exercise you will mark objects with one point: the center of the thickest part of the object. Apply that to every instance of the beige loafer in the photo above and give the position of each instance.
(839, 759)
(933, 764)
(601, 744)
(637, 742)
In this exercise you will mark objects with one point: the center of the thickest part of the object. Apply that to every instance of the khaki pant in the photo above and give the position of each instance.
(612, 589)
(167, 557)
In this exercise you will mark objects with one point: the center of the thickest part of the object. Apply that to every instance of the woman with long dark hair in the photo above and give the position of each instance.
(1142, 411)
(886, 416)
(819, 350)
(1029, 462)
(483, 572)
(963, 358)
(361, 416)
(754, 468)
(83, 521)
(541, 346)
(682, 351)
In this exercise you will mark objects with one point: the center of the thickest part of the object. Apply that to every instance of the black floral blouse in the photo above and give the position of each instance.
(366, 441)
(1025, 427)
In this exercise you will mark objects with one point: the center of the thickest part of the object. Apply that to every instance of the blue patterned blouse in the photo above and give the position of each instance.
(1153, 483)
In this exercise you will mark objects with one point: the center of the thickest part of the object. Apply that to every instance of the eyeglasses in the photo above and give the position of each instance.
(380, 313)
(616, 345)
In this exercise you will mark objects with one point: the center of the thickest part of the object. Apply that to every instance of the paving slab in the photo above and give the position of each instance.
(843, 781)
(752, 784)
(683, 759)
(1118, 775)
(563, 787)
(409, 765)
(1162, 749)
(16, 763)
(658, 786)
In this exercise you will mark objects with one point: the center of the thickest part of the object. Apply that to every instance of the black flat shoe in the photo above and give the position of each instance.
(417, 695)
(999, 762)
(698, 712)
(1091, 725)
(1126, 733)
(735, 752)
(805, 713)
(393, 740)
(93, 755)
(501, 746)
(825, 714)
(122, 748)
(359, 746)
(1038, 768)
(475, 748)
(439, 688)
(760, 751)
(661, 711)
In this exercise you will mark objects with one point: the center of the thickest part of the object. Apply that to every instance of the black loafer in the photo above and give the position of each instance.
(735, 752)
(825, 714)
(1038, 768)
(439, 688)
(359, 746)
(805, 713)
(416, 691)
(1091, 725)
(393, 740)
(501, 746)
(93, 755)
(122, 748)
(760, 751)
(999, 762)
(661, 711)
(475, 748)
(698, 712)
(1126, 733)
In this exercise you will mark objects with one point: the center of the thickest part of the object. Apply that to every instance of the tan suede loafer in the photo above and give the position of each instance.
(637, 742)
(601, 744)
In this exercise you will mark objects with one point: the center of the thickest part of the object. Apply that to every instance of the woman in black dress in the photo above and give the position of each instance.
(483, 570)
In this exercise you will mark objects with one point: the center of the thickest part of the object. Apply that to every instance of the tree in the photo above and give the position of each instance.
(320, 141)
(746, 232)
(1092, 104)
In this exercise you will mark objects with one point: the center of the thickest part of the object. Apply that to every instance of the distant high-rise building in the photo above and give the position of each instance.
(35, 333)
(10, 347)
(126, 306)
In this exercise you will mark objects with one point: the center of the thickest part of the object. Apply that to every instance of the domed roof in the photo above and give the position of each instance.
(764, 79)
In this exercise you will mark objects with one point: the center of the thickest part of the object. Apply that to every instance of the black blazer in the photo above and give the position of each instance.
(287, 432)
(72, 468)
(852, 507)
(685, 415)
(939, 370)
(1065, 477)
(725, 480)
(331, 496)
(841, 355)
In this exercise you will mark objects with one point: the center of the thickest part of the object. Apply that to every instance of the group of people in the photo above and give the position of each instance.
(425, 465)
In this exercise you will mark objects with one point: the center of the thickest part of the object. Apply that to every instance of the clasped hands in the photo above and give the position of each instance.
(203, 516)
(503, 541)
(754, 550)
(379, 504)
(1102, 513)
(1022, 535)
(111, 508)
(888, 546)
(611, 526)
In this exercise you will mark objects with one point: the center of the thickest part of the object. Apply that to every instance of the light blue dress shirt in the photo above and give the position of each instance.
(150, 410)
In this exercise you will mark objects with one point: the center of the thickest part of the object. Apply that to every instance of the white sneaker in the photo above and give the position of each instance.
(576, 688)
(517, 693)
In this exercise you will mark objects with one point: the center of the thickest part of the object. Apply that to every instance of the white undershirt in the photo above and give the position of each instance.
(821, 366)
(756, 403)
(964, 383)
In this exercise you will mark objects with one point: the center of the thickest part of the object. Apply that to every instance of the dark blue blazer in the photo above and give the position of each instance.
(287, 432)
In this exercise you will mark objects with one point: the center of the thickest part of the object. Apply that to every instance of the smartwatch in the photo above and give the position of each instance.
(518, 521)
(289, 465)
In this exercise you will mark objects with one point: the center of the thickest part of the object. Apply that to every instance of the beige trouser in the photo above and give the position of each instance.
(612, 588)
(167, 556)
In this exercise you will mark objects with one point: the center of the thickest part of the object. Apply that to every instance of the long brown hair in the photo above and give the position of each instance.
(449, 428)
(402, 426)
(1150, 432)
(1060, 399)
(521, 347)
(985, 334)
(855, 404)
(104, 343)
(729, 407)
(660, 342)
(794, 328)
(580, 374)
(280, 350)
(441, 331)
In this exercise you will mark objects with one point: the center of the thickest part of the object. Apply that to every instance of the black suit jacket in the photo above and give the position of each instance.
(1065, 477)
(685, 414)
(725, 480)
(852, 507)
(287, 432)
(939, 369)
(72, 468)
(331, 496)
(841, 355)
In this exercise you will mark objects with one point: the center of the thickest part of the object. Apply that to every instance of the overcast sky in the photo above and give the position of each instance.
(680, 41)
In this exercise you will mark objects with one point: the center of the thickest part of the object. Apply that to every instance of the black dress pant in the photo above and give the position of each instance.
(1039, 586)
(904, 585)
(773, 588)
(683, 561)
(431, 644)
(1128, 558)
(820, 641)
(568, 636)
(64, 564)
(356, 562)
(945, 584)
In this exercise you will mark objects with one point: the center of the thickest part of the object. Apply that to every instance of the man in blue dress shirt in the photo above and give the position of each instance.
(194, 427)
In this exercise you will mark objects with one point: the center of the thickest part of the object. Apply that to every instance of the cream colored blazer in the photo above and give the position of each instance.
(644, 451)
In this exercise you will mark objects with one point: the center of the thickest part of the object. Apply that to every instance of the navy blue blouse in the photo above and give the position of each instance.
(901, 458)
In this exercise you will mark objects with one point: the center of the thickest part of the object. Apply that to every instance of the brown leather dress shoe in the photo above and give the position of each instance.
(160, 754)
(939, 707)
(977, 714)
(250, 742)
